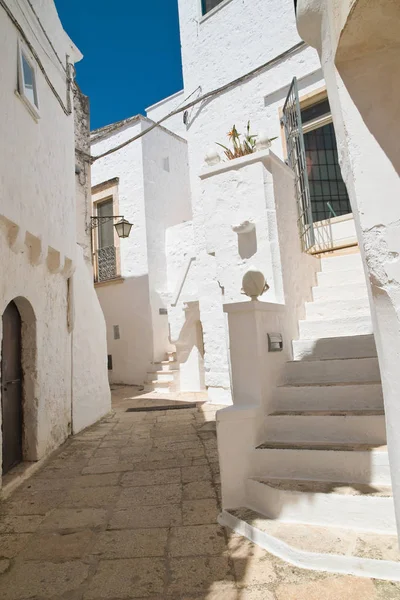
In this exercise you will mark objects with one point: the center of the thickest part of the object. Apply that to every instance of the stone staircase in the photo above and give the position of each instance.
(324, 461)
(164, 378)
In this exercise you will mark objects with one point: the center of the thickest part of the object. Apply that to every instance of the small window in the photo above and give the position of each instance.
(208, 5)
(116, 332)
(166, 163)
(27, 81)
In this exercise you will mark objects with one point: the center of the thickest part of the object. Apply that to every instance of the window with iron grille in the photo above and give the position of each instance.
(106, 254)
(312, 154)
(328, 191)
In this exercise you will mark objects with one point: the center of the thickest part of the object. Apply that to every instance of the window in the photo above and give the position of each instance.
(312, 154)
(106, 251)
(328, 191)
(27, 81)
(105, 241)
(208, 5)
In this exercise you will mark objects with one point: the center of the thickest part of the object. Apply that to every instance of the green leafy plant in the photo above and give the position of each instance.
(240, 147)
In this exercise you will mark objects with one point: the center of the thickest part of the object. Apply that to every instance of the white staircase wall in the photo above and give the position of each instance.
(333, 465)
(350, 511)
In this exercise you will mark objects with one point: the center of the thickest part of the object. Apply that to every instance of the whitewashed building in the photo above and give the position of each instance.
(147, 183)
(303, 440)
(53, 348)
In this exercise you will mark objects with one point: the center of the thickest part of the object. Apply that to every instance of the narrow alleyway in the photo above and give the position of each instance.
(128, 509)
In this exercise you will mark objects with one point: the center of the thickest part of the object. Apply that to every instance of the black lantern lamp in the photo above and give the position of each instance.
(122, 227)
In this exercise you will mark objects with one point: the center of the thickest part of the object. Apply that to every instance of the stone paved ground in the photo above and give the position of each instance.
(128, 509)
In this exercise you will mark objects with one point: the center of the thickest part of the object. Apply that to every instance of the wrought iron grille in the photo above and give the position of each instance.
(106, 263)
(297, 161)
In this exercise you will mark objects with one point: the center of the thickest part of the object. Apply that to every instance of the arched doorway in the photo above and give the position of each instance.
(11, 388)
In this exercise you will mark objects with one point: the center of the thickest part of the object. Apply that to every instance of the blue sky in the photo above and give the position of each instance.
(131, 53)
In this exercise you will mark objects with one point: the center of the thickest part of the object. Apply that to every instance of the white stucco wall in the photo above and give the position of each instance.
(127, 304)
(40, 202)
(167, 203)
(359, 51)
(154, 195)
(90, 390)
(38, 186)
(47, 372)
(215, 51)
(164, 107)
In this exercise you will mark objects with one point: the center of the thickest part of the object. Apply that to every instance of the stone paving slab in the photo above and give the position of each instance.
(128, 510)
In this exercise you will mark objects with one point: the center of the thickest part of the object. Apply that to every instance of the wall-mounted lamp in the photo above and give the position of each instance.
(122, 227)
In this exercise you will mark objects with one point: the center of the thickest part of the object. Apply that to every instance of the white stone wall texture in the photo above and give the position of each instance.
(154, 195)
(216, 50)
(359, 47)
(38, 238)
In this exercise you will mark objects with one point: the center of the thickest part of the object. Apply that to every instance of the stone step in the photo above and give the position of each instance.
(162, 375)
(359, 427)
(329, 397)
(350, 370)
(354, 506)
(345, 262)
(354, 346)
(166, 387)
(359, 463)
(165, 365)
(330, 549)
(337, 309)
(332, 278)
(340, 292)
(329, 328)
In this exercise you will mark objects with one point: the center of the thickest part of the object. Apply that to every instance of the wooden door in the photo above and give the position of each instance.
(11, 388)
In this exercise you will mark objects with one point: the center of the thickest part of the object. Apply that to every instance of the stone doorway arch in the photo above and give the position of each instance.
(18, 385)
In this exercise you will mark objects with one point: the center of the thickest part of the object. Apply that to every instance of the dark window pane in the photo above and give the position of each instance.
(327, 187)
(106, 228)
(315, 111)
(209, 5)
(29, 81)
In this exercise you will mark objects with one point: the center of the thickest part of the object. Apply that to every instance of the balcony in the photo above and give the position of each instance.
(105, 264)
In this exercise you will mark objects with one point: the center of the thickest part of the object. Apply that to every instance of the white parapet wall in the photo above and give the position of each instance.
(358, 45)
(255, 371)
(91, 397)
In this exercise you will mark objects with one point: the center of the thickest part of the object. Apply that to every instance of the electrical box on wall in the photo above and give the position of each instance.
(275, 342)
(162, 311)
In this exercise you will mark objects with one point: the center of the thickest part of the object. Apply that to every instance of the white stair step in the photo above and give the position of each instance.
(337, 309)
(166, 387)
(162, 375)
(340, 292)
(344, 262)
(330, 426)
(355, 346)
(351, 370)
(354, 506)
(329, 549)
(325, 462)
(165, 365)
(328, 328)
(332, 278)
(329, 397)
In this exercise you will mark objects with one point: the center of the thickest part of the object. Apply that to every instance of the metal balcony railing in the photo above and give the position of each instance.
(106, 263)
